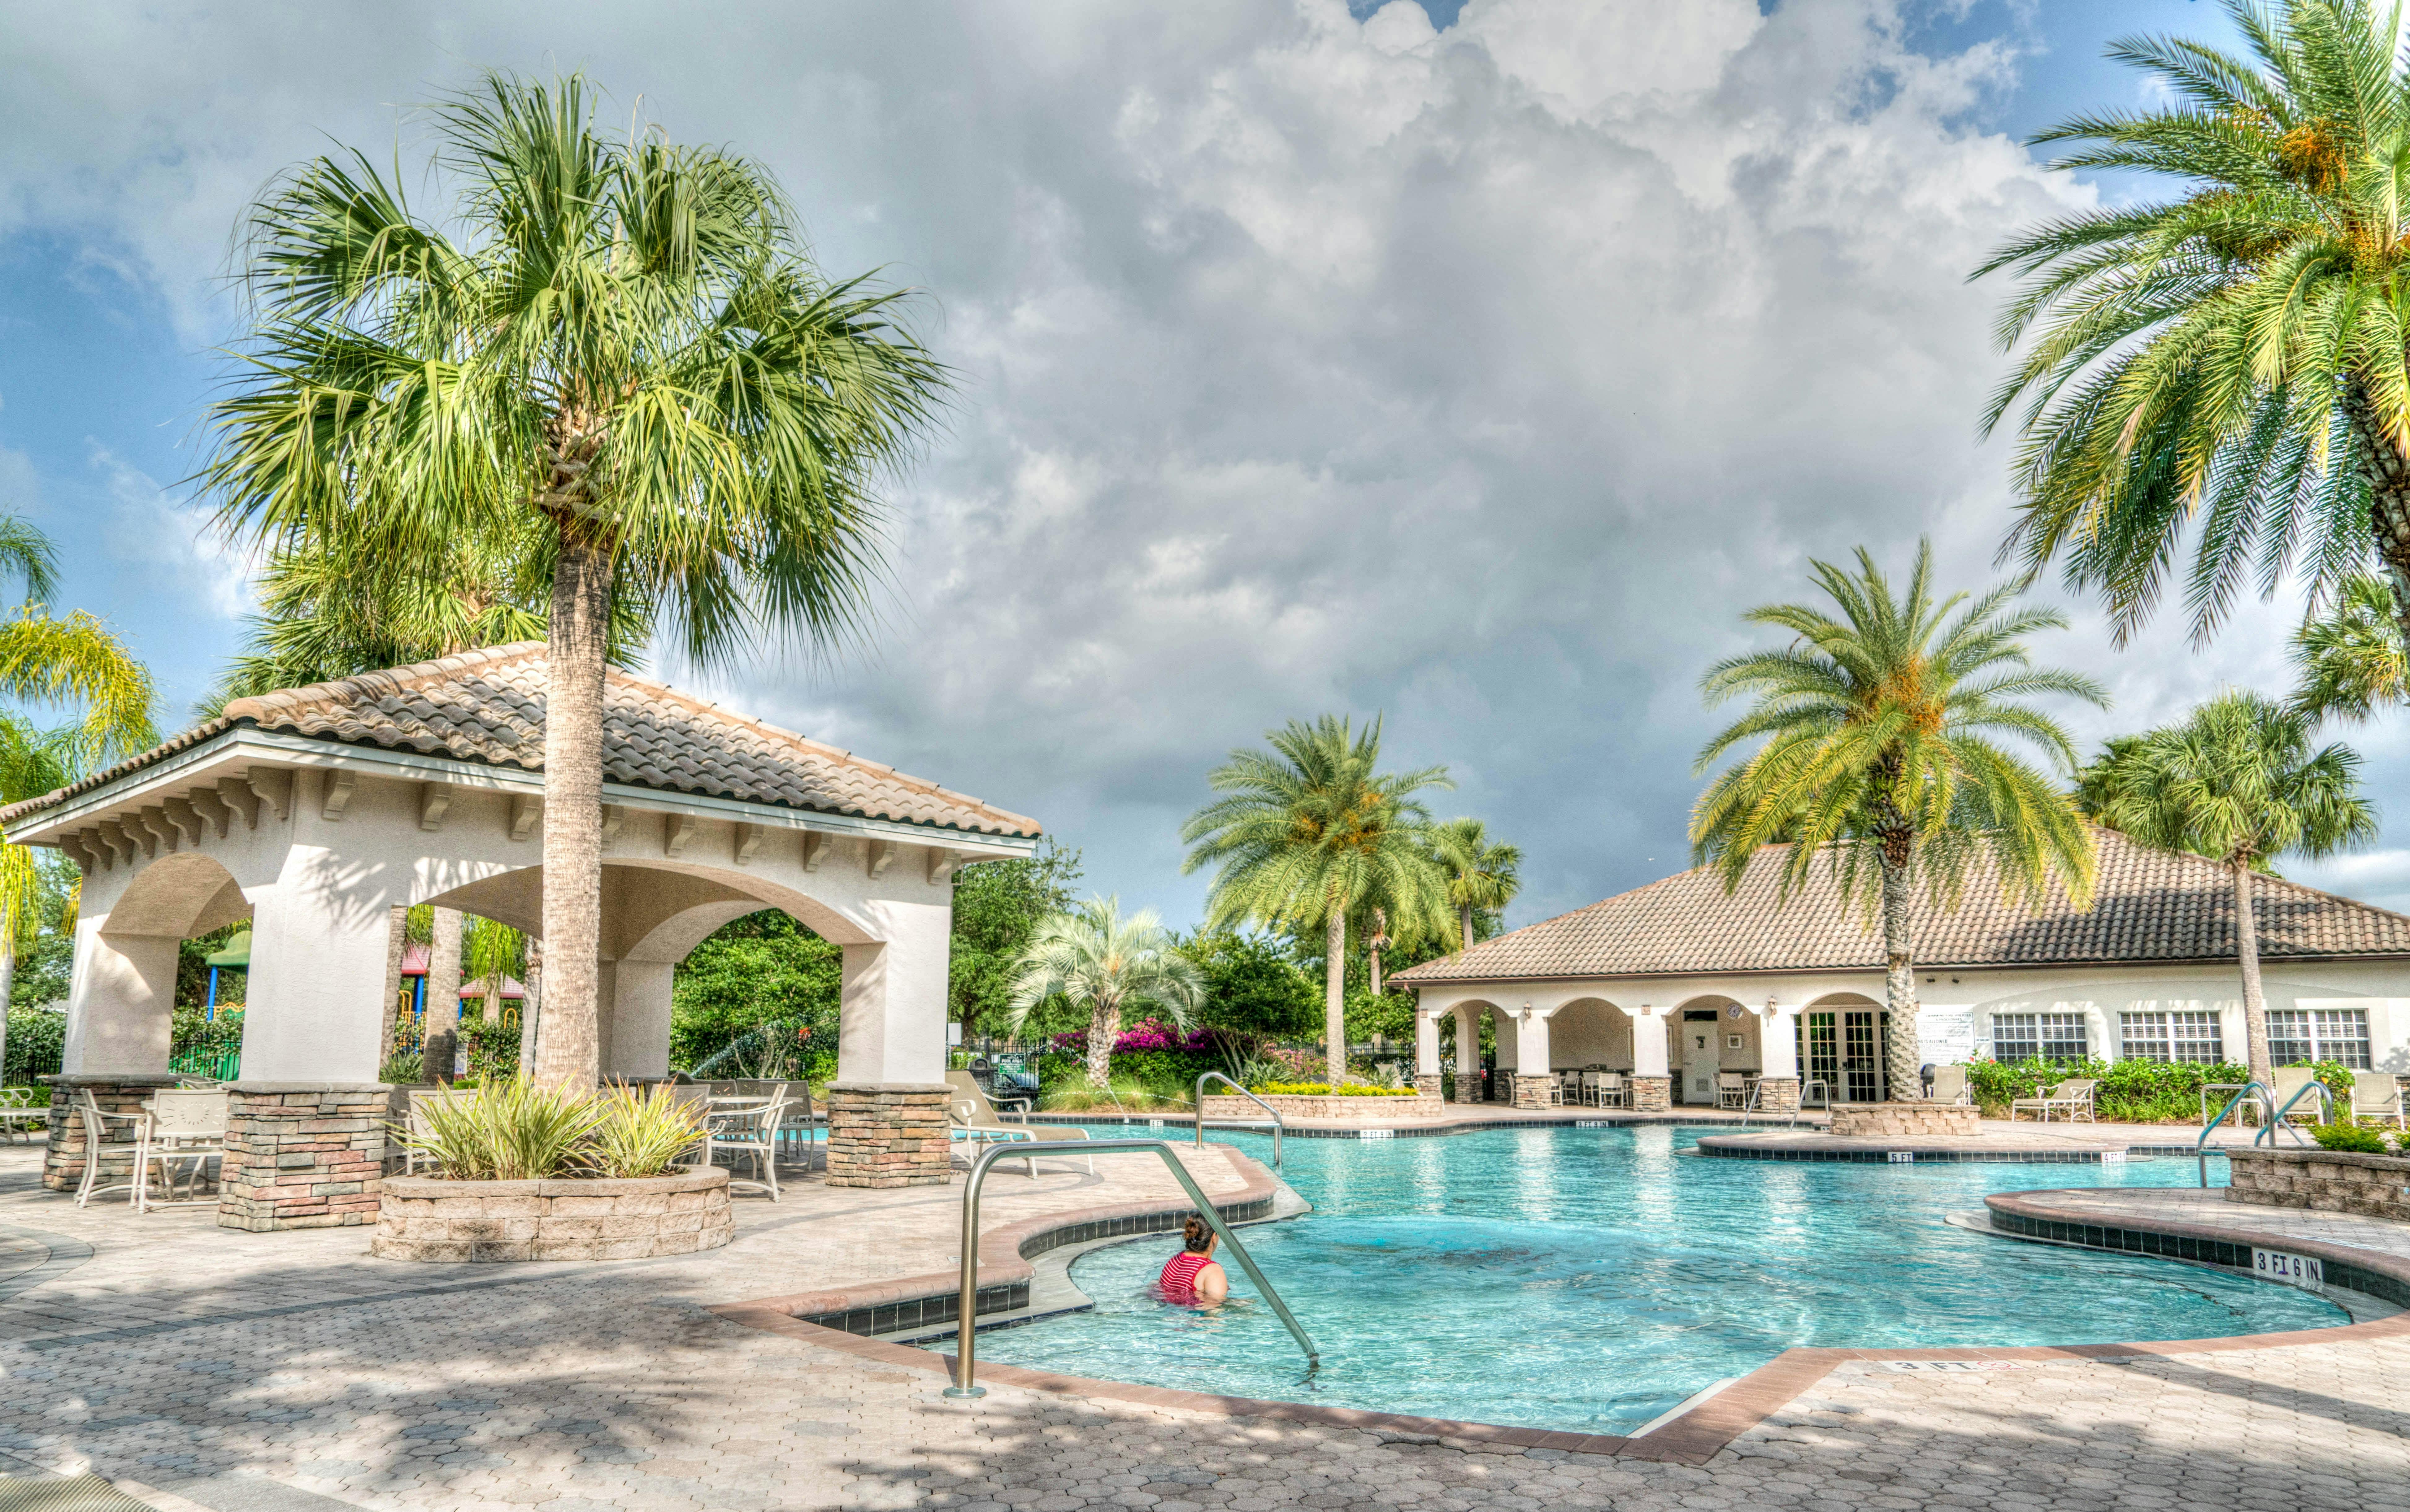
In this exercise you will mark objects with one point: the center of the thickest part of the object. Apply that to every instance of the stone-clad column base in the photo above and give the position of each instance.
(889, 1134)
(1778, 1095)
(1652, 1094)
(1468, 1087)
(117, 1092)
(1531, 1092)
(1428, 1085)
(304, 1154)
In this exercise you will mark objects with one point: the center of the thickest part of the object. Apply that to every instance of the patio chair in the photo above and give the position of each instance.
(185, 1124)
(2377, 1095)
(2072, 1098)
(748, 1129)
(1731, 1089)
(1950, 1084)
(972, 1112)
(2290, 1081)
(97, 1122)
(420, 1097)
(1614, 1090)
(20, 1113)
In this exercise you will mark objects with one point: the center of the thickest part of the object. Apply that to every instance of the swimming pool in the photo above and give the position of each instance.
(1589, 1279)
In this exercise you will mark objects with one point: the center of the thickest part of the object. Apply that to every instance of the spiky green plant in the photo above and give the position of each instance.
(2238, 782)
(2222, 373)
(621, 342)
(506, 1130)
(637, 1135)
(1309, 832)
(1880, 757)
(1099, 961)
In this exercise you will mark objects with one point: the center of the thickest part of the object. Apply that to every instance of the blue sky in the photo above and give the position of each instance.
(1311, 361)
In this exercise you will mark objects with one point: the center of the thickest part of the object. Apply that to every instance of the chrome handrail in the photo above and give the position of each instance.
(966, 1328)
(2200, 1145)
(2326, 1113)
(1277, 1123)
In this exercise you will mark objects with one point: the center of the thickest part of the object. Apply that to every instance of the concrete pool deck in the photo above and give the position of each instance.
(291, 1370)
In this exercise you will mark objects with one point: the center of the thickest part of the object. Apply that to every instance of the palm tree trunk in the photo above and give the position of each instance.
(1464, 927)
(570, 1052)
(1374, 955)
(1334, 997)
(2387, 470)
(1900, 1048)
(440, 1044)
(2247, 952)
(531, 1005)
(1104, 1027)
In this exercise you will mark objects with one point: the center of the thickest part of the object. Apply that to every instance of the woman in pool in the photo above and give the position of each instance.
(1193, 1275)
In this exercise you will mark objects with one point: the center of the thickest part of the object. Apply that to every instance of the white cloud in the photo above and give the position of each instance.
(154, 537)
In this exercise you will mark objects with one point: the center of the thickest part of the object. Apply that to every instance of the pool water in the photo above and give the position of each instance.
(1589, 1279)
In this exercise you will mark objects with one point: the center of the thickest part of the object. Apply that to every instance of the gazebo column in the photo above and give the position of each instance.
(120, 1004)
(886, 1109)
(1426, 1074)
(1778, 1047)
(1652, 1087)
(1532, 1058)
(306, 1131)
(1467, 1054)
(636, 1039)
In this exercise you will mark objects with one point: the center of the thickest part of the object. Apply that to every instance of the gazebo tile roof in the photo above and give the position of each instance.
(488, 705)
(2148, 905)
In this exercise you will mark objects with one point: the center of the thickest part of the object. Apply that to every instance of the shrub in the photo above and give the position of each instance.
(1322, 1089)
(635, 1135)
(403, 1069)
(2130, 1091)
(36, 1043)
(2349, 1138)
(511, 1130)
(492, 1046)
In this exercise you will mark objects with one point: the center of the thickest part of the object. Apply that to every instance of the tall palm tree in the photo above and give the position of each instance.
(1483, 875)
(2350, 657)
(621, 342)
(2227, 367)
(1310, 830)
(2238, 781)
(1879, 754)
(1099, 961)
(32, 763)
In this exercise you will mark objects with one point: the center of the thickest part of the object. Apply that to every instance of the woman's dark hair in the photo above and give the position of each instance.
(1197, 1235)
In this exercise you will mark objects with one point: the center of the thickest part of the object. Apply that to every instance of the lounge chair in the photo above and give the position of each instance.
(969, 1110)
(2377, 1095)
(1950, 1084)
(2289, 1081)
(2070, 1100)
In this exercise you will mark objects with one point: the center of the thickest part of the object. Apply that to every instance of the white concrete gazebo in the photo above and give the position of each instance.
(316, 812)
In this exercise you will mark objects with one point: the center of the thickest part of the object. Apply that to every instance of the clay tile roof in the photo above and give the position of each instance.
(487, 706)
(2149, 905)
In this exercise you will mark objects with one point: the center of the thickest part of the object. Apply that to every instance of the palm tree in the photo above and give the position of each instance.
(1880, 755)
(621, 344)
(2233, 356)
(1483, 876)
(32, 763)
(2238, 781)
(1099, 961)
(1308, 832)
(2350, 657)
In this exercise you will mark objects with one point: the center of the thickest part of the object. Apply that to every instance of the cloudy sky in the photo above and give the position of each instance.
(1473, 367)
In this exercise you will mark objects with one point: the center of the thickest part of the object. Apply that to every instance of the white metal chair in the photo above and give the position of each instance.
(19, 1111)
(185, 1124)
(2290, 1080)
(1950, 1084)
(2072, 1098)
(1614, 1090)
(96, 1121)
(2377, 1095)
(1731, 1089)
(749, 1126)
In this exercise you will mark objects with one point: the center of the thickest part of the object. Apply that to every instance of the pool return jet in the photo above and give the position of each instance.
(966, 1319)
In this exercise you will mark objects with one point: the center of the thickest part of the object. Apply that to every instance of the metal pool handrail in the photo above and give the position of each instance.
(2325, 1113)
(2200, 1146)
(1277, 1124)
(966, 1328)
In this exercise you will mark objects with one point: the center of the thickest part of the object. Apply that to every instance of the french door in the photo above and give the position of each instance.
(1844, 1048)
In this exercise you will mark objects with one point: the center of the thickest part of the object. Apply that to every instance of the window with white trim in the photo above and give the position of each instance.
(2188, 1037)
(2300, 1034)
(2048, 1036)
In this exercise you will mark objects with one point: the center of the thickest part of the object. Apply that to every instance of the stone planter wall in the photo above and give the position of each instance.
(1323, 1108)
(2324, 1181)
(1906, 1120)
(426, 1218)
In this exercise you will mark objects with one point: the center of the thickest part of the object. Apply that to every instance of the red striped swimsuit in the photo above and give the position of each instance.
(1178, 1282)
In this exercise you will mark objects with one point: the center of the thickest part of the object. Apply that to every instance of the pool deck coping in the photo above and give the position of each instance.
(1693, 1437)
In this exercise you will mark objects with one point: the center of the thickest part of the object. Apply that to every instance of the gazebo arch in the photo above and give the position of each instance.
(319, 811)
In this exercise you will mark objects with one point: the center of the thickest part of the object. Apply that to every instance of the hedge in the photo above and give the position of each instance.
(2130, 1091)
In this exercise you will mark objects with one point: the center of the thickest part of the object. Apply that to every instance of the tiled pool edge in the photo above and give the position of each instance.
(1694, 1438)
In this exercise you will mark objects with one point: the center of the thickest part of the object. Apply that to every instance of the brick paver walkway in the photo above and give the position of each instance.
(290, 1372)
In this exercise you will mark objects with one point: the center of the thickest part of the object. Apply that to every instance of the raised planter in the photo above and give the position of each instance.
(1906, 1120)
(2323, 1181)
(427, 1218)
(1328, 1109)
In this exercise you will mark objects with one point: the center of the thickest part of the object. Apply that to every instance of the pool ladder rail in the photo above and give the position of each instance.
(967, 1318)
(1278, 1123)
(2270, 1122)
(1749, 1108)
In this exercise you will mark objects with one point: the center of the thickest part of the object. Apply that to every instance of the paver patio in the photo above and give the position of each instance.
(290, 1371)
